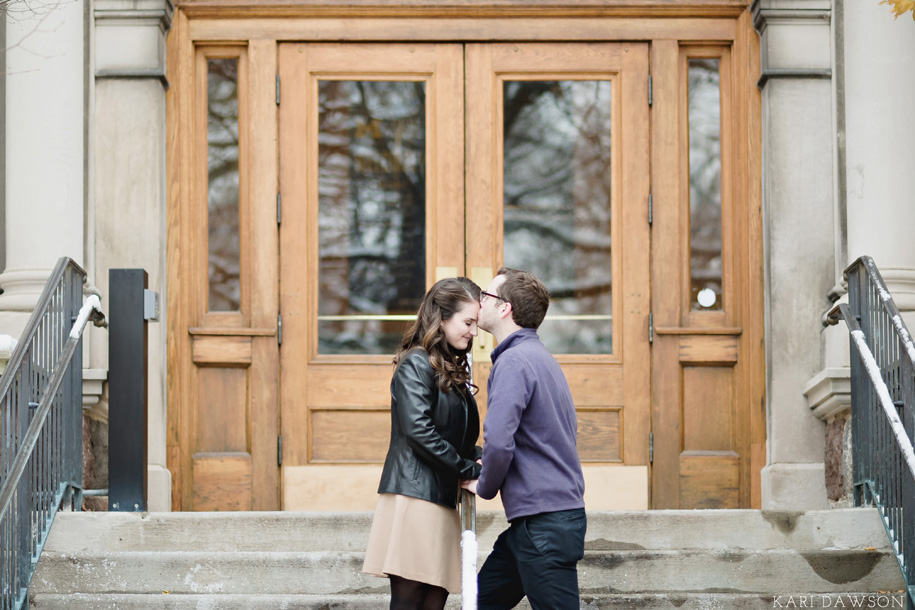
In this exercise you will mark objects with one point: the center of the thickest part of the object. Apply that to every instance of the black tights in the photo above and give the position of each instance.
(414, 595)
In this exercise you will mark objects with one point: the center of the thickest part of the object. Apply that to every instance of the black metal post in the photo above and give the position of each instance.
(127, 390)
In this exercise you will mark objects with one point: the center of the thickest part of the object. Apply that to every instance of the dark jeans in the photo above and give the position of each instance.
(537, 557)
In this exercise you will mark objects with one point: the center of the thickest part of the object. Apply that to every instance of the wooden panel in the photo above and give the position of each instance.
(221, 350)
(635, 237)
(349, 385)
(445, 224)
(263, 424)
(708, 349)
(293, 295)
(708, 408)
(222, 410)
(595, 385)
(540, 57)
(222, 481)
(709, 480)
(753, 361)
(665, 276)
(357, 436)
(179, 156)
(545, 29)
(599, 436)
(480, 177)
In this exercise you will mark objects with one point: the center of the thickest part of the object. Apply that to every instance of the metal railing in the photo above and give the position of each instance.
(41, 427)
(883, 409)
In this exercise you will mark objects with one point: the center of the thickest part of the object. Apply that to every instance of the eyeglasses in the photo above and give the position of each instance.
(484, 294)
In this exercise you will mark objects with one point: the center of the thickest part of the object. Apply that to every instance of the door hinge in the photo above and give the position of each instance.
(277, 89)
(649, 90)
(650, 327)
(279, 209)
(279, 329)
(279, 450)
(651, 447)
(650, 209)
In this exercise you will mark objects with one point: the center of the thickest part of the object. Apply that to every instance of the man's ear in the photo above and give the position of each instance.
(506, 310)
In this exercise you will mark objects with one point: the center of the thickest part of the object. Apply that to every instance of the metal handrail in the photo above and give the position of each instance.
(41, 427)
(883, 409)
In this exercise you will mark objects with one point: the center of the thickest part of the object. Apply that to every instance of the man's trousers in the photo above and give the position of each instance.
(536, 556)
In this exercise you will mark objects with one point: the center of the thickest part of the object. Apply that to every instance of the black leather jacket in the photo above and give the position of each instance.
(433, 435)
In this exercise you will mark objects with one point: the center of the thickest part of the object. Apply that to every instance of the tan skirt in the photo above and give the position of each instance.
(415, 539)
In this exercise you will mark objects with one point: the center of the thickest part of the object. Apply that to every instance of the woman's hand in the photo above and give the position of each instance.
(470, 485)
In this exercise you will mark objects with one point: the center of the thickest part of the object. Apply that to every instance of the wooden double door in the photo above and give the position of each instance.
(397, 164)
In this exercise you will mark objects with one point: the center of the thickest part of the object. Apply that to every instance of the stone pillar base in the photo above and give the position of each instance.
(159, 492)
(22, 288)
(794, 487)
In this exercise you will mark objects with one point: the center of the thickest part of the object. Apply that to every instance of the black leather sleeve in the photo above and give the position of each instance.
(414, 391)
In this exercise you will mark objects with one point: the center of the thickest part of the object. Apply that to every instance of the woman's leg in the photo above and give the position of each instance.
(435, 598)
(407, 594)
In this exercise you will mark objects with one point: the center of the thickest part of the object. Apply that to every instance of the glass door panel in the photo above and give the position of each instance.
(557, 185)
(371, 213)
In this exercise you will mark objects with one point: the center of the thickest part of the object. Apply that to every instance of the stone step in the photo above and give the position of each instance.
(339, 573)
(693, 601)
(298, 532)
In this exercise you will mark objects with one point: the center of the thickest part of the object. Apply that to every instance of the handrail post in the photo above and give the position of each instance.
(860, 398)
(72, 419)
(22, 492)
(908, 483)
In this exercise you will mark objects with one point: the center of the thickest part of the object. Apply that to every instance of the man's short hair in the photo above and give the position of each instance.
(528, 296)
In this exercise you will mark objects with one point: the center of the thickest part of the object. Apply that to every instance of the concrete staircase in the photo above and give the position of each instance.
(740, 559)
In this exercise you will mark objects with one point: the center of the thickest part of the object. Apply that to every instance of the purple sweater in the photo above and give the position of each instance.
(529, 451)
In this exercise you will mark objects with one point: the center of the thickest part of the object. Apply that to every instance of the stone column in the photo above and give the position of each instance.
(880, 143)
(798, 202)
(45, 143)
(874, 73)
(129, 197)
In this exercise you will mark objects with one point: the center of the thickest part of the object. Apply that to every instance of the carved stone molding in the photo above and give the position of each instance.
(829, 392)
(130, 38)
(794, 39)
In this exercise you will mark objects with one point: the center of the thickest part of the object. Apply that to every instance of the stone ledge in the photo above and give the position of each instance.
(829, 392)
(93, 384)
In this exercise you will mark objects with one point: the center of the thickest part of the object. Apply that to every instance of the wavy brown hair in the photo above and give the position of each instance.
(441, 302)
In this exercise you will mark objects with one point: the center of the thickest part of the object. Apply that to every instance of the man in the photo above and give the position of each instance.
(529, 455)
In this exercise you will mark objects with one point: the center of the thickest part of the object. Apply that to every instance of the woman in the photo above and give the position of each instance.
(416, 533)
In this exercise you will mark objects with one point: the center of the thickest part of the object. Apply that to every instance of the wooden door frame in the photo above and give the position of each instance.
(260, 26)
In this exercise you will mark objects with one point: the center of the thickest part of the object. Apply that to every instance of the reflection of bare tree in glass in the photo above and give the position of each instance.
(705, 179)
(223, 185)
(557, 203)
(371, 209)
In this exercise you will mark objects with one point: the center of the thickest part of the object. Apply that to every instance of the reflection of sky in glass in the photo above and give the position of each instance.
(705, 182)
(372, 214)
(556, 175)
(224, 243)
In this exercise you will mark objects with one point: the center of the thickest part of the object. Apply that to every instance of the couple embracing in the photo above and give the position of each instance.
(529, 454)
